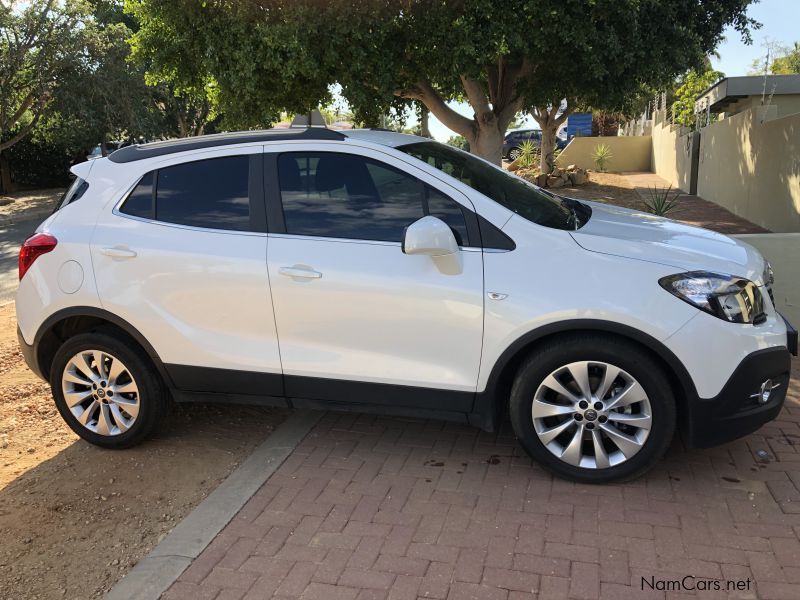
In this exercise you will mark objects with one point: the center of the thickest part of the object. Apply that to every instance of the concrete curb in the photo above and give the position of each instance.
(157, 571)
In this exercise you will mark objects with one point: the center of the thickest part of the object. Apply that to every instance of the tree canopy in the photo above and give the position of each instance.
(690, 86)
(501, 57)
(788, 61)
(779, 60)
(38, 42)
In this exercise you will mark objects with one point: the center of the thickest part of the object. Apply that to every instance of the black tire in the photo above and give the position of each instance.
(594, 347)
(153, 399)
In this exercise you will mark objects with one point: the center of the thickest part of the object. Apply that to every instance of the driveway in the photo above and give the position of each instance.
(11, 238)
(375, 507)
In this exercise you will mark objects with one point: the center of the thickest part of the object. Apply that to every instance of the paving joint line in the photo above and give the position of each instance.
(156, 572)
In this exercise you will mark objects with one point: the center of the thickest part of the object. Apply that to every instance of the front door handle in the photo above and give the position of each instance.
(118, 252)
(302, 272)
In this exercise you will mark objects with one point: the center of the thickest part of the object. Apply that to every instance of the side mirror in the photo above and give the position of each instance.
(430, 236)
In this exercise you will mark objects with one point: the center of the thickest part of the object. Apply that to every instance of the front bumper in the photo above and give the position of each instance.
(737, 410)
(29, 354)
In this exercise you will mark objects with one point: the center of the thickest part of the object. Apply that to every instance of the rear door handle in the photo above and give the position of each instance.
(303, 272)
(118, 252)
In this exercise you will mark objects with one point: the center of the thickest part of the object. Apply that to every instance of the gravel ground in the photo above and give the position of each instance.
(75, 518)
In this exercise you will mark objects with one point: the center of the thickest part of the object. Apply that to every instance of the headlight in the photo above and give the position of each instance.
(730, 298)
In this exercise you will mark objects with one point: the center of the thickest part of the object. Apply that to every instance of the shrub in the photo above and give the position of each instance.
(601, 155)
(662, 201)
(528, 153)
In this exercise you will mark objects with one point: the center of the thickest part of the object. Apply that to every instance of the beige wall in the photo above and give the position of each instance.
(671, 157)
(753, 168)
(782, 250)
(630, 153)
(785, 105)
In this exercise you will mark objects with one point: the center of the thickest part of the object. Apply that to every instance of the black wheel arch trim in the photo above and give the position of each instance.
(489, 402)
(99, 313)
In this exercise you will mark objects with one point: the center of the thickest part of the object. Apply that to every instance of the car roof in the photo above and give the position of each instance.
(142, 151)
(384, 137)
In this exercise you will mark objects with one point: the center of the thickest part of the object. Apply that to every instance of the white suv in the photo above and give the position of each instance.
(377, 272)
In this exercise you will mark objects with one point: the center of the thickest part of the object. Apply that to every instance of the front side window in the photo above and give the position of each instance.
(326, 194)
(211, 194)
(510, 191)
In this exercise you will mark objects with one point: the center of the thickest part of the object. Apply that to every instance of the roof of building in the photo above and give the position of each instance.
(730, 89)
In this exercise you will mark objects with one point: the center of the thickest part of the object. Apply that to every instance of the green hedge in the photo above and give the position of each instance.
(39, 164)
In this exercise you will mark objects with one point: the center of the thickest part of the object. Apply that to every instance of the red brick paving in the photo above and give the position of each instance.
(379, 508)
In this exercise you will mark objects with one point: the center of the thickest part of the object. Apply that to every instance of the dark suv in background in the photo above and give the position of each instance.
(512, 143)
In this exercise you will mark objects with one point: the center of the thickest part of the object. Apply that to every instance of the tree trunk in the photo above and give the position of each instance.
(547, 160)
(424, 127)
(493, 112)
(486, 141)
(549, 121)
(6, 185)
(183, 126)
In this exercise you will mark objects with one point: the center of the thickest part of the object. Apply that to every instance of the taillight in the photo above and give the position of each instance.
(33, 248)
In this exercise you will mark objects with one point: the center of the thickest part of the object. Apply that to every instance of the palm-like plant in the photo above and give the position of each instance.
(662, 201)
(527, 153)
(601, 155)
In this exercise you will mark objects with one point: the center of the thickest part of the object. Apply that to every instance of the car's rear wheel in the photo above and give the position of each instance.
(593, 409)
(106, 390)
(514, 154)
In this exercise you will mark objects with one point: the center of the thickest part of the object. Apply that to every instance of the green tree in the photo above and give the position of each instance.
(104, 95)
(150, 107)
(788, 62)
(778, 59)
(39, 42)
(690, 86)
(250, 51)
(458, 141)
(501, 57)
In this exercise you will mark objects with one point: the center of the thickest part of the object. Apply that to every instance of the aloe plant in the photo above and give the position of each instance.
(601, 155)
(527, 153)
(662, 201)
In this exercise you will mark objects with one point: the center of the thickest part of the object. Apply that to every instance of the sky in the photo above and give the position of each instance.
(779, 20)
(779, 23)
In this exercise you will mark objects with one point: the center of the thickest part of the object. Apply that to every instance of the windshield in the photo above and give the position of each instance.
(514, 193)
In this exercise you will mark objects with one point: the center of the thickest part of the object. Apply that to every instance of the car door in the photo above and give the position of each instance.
(182, 258)
(357, 319)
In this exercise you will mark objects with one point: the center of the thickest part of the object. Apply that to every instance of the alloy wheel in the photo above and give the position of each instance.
(591, 414)
(100, 392)
(514, 154)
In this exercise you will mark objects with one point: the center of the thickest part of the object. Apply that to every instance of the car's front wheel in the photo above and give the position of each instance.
(593, 408)
(107, 390)
(514, 154)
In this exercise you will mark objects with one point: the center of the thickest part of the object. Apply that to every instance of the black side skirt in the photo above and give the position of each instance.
(206, 384)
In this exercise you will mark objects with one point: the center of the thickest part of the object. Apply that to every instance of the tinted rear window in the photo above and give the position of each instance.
(140, 200)
(212, 193)
(209, 193)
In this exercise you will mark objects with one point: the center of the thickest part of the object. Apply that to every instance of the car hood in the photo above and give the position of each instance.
(632, 234)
